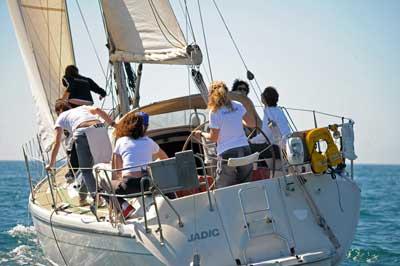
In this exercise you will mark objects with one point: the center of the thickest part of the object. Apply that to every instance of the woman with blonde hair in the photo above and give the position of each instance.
(226, 129)
(133, 150)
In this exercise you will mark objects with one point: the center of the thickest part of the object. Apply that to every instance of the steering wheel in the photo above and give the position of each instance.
(252, 132)
(190, 137)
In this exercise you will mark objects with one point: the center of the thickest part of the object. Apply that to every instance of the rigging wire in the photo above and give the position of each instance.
(188, 25)
(158, 19)
(108, 88)
(230, 34)
(91, 40)
(249, 74)
(60, 45)
(188, 20)
(205, 40)
(48, 45)
(206, 73)
(104, 20)
(105, 74)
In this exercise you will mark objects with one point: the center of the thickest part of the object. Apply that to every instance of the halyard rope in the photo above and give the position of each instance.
(91, 40)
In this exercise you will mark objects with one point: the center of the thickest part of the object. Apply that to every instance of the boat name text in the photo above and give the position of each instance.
(204, 234)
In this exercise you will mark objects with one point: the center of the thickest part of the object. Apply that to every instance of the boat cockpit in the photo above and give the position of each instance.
(171, 125)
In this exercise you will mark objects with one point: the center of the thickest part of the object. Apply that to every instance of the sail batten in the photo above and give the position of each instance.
(45, 42)
(146, 31)
(43, 8)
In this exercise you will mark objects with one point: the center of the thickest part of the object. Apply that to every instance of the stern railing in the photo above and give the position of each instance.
(318, 118)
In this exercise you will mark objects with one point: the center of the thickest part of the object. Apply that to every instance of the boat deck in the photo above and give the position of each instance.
(65, 196)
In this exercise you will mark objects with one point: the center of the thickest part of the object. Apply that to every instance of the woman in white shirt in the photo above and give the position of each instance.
(226, 129)
(77, 121)
(133, 151)
(273, 114)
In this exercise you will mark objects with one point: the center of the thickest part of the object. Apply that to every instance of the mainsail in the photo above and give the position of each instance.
(44, 38)
(146, 31)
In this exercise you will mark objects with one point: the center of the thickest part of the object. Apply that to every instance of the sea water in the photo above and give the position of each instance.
(377, 241)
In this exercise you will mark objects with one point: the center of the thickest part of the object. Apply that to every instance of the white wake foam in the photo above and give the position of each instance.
(28, 250)
(21, 230)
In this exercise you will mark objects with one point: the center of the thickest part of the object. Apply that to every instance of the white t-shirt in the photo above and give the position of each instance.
(135, 152)
(72, 118)
(229, 122)
(275, 114)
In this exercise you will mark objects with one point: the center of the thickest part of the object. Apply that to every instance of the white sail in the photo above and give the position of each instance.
(45, 42)
(146, 31)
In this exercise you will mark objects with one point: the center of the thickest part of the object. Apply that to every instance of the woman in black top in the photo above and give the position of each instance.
(79, 88)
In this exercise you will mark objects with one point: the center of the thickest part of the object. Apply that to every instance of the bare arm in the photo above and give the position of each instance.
(98, 111)
(160, 155)
(213, 135)
(116, 164)
(56, 147)
(65, 95)
(249, 121)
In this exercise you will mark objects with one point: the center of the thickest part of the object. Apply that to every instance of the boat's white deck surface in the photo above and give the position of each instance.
(64, 194)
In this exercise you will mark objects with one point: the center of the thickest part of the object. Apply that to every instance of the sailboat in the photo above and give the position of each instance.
(304, 213)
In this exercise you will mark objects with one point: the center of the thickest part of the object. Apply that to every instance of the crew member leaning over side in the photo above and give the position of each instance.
(76, 121)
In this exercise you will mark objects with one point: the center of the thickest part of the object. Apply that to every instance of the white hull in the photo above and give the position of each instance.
(221, 236)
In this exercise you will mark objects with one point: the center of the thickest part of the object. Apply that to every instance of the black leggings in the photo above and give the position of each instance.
(130, 185)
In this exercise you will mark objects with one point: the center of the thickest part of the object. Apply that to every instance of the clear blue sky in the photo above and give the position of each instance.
(339, 57)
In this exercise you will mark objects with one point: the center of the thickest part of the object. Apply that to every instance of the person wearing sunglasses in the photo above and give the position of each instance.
(240, 87)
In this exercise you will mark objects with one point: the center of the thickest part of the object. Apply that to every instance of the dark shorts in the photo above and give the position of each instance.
(227, 175)
(131, 185)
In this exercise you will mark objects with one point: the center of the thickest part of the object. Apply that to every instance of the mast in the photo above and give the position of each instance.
(122, 90)
(118, 66)
(136, 99)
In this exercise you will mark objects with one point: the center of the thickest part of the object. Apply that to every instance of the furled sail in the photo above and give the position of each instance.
(45, 42)
(146, 31)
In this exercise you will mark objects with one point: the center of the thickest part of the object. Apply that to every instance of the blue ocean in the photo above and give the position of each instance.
(377, 241)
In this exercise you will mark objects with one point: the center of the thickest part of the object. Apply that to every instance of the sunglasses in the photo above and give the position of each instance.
(241, 88)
